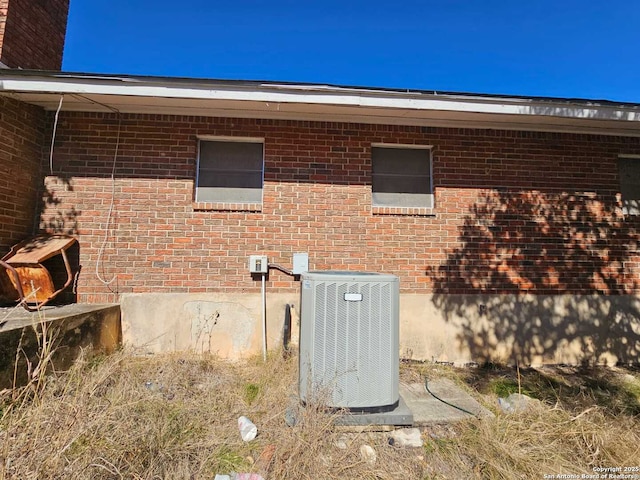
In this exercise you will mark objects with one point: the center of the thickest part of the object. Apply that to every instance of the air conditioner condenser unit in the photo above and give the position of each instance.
(349, 340)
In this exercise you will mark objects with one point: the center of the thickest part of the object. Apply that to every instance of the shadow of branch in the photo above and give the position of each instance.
(539, 273)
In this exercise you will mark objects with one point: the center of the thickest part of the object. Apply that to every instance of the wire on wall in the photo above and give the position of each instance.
(53, 135)
(36, 216)
(99, 262)
(107, 228)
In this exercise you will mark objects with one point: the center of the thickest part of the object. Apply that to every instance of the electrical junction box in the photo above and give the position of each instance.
(258, 264)
(300, 263)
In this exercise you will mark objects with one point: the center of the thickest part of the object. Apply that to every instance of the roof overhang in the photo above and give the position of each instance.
(269, 100)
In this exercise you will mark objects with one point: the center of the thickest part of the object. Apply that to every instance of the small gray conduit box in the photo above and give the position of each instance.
(300, 263)
(258, 264)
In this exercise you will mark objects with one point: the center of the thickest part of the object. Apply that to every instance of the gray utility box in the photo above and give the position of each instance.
(349, 345)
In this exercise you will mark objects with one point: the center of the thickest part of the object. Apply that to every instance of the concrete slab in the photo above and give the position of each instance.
(400, 416)
(428, 410)
(416, 407)
(12, 318)
(68, 330)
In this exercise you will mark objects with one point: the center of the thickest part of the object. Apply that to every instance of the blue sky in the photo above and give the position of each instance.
(576, 49)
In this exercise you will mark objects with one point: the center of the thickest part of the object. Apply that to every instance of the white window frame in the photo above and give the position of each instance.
(228, 139)
(403, 146)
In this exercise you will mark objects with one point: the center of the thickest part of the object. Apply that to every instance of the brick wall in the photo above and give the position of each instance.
(21, 140)
(32, 33)
(4, 10)
(514, 210)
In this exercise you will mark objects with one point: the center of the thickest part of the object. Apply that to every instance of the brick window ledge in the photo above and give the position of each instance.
(404, 211)
(227, 207)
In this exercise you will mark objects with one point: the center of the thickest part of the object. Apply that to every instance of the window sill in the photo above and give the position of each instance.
(226, 207)
(404, 211)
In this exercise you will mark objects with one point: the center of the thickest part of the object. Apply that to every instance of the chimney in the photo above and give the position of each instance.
(32, 33)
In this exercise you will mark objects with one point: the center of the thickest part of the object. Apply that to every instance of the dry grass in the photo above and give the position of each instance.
(585, 418)
(174, 416)
(541, 441)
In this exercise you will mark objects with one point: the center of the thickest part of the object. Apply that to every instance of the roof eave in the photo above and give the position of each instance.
(316, 102)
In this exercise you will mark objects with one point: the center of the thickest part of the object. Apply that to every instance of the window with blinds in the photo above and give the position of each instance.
(401, 176)
(230, 171)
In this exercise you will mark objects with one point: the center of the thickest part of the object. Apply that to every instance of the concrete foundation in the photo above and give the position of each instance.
(227, 324)
(528, 329)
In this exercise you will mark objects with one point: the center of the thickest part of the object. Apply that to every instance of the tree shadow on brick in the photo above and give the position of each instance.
(53, 219)
(536, 271)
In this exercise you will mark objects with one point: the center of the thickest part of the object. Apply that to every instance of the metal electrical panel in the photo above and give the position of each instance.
(300, 263)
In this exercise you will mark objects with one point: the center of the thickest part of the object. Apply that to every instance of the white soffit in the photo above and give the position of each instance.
(317, 102)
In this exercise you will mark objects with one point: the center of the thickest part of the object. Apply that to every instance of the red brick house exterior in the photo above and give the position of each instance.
(317, 199)
(526, 254)
(32, 33)
(31, 36)
(21, 149)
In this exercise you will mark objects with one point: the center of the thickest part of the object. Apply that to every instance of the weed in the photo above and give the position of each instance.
(632, 386)
(503, 387)
(251, 391)
(224, 459)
